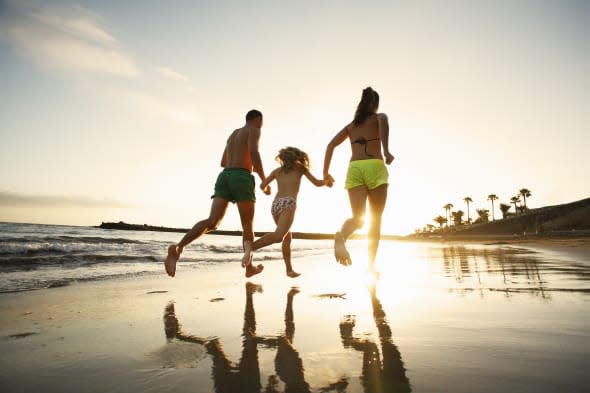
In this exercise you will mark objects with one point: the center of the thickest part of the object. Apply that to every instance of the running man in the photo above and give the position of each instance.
(234, 184)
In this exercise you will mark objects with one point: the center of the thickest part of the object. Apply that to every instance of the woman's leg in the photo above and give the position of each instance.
(358, 201)
(377, 198)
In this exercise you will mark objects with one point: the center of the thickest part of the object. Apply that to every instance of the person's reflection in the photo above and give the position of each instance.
(245, 377)
(288, 363)
(387, 375)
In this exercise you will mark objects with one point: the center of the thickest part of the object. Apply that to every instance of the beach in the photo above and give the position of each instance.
(441, 317)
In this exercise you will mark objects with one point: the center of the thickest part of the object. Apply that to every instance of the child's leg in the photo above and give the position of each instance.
(283, 225)
(286, 248)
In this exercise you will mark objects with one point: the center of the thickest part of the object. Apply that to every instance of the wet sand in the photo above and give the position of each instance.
(457, 317)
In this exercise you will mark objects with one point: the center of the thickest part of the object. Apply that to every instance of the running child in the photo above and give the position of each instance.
(294, 164)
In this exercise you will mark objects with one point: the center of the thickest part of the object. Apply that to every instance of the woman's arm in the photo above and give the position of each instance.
(383, 124)
(337, 140)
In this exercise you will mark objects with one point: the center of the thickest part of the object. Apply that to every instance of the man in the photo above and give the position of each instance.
(234, 184)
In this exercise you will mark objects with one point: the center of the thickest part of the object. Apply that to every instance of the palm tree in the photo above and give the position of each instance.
(440, 220)
(515, 199)
(468, 200)
(448, 208)
(504, 209)
(525, 194)
(484, 215)
(458, 217)
(492, 198)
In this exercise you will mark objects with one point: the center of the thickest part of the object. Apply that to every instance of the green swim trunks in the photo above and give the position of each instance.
(235, 185)
(371, 173)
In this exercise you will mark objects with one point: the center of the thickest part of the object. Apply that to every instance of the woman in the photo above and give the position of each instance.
(367, 175)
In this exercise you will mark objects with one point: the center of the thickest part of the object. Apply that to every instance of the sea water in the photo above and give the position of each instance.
(34, 256)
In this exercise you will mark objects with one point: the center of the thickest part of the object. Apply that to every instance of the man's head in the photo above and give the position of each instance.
(254, 118)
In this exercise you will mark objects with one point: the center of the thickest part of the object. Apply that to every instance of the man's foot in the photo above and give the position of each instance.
(340, 251)
(252, 270)
(293, 274)
(248, 254)
(171, 259)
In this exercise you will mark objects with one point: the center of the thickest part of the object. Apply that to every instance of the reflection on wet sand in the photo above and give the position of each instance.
(245, 376)
(387, 375)
(378, 375)
(511, 270)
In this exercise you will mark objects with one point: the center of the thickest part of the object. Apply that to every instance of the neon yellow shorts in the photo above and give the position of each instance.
(371, 173)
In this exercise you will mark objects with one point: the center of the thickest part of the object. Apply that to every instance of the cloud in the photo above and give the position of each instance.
(67, 38)
(15, 199)
(171, 74)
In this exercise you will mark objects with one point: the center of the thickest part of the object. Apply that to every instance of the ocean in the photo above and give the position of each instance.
(34, 256)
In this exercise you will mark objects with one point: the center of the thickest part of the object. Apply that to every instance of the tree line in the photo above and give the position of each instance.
(455, 217)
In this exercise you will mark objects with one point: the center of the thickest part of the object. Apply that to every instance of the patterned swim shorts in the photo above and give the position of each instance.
(280, 204)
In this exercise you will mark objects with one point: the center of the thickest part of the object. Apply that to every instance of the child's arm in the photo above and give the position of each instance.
(267, 180)
(315, 181)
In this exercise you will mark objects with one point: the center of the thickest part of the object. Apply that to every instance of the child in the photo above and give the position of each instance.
(294, 164)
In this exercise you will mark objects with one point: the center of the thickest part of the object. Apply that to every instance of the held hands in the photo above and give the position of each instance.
(265, 189)
(328, 180)
(389, 158)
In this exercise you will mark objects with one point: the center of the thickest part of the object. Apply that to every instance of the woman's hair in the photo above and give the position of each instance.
(367, 106)
(291, 158)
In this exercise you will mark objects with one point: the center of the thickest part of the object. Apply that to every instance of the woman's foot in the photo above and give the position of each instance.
(252, 270)
(171, 259)
(340, 251)
(293, 273)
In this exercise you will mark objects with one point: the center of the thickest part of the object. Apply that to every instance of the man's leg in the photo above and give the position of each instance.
(218, 209)
(377, 198)
(358, 201)
(246, 209)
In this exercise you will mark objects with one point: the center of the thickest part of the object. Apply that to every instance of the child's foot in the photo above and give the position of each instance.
(252, 270)
(372, 273)
(171, 259)
(340, 252)
(293, 274)
(252, 288)
(248, 254)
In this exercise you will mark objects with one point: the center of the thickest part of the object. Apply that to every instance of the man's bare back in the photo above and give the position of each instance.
(238, 148)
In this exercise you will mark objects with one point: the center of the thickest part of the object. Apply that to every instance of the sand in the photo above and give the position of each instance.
(440, 318)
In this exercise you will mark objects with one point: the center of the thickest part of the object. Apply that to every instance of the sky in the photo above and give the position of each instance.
(116, 111)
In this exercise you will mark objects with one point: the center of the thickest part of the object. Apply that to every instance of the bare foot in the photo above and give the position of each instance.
(294, 291)
(251, 270)
(340, 252)
(252, 288)
(171, 259)
(247, 258)
(293, 274)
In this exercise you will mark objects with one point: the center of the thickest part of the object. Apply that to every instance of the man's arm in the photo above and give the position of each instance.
(253, 139)
(224, 157)
(383, 124)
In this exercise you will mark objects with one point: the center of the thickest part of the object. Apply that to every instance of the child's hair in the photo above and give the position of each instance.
(291, 158)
